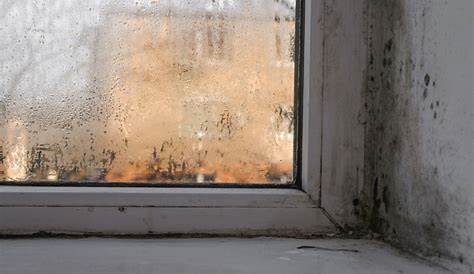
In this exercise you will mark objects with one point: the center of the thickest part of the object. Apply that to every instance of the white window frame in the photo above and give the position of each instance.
(28, 210)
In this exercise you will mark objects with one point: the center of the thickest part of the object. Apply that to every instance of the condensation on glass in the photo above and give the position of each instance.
(163, 91)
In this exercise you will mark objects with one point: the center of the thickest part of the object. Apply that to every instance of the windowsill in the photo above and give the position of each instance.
(143, 211)
(34, 196)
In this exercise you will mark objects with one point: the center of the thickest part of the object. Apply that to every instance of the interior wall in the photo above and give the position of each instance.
(419, 188)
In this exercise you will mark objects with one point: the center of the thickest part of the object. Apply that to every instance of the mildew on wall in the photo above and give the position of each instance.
(419, 135)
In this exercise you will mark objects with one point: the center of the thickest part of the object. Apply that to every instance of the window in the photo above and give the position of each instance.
(36, 71)
(149, 92)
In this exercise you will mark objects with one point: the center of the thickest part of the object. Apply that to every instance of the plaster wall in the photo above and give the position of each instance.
(419, 171)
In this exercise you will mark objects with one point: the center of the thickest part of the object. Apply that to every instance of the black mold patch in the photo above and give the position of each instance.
(385, 198)
(394, 113)
(427, 79)
(388, 45)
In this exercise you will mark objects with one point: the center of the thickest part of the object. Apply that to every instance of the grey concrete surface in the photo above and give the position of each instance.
(206, 256)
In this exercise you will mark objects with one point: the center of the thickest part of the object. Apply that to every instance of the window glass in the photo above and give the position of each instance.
(163, 91)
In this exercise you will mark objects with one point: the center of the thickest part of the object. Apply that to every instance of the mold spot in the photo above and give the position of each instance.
(356, 202)
(385, 198)
(356, 205)
(386, 62)
(425, 93)
(377, 201)
(389, 45)
(427, 79)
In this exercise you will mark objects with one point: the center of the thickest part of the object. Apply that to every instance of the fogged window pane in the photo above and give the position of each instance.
(147, 91)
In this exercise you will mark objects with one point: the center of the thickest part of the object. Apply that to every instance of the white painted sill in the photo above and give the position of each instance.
(140, 211)
(30, 196)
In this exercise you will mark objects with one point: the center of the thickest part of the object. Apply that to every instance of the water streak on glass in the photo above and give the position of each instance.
(148, 91)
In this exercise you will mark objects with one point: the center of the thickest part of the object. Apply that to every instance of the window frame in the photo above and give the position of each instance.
(224, 209)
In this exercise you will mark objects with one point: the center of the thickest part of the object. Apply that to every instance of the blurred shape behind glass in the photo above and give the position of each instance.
(147, 91)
